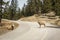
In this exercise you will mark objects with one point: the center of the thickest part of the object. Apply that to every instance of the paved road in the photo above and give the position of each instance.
(31, 31)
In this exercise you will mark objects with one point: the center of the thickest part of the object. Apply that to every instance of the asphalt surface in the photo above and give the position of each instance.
(31, 31)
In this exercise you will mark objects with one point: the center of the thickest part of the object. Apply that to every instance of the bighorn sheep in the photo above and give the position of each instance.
(41, 23)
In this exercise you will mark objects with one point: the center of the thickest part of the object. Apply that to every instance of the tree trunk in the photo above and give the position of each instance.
(0, 18)
(0, 10)
(12, 14)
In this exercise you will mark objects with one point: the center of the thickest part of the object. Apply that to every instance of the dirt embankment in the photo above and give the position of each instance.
(6, 26)
(35, 18)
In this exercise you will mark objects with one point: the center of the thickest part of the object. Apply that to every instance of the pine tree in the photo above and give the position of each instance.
(57, 7)
(33, 7)
(6, 11)
(47, 5)
(13, 8)
(19, 13)
(0, 10)
(23, 10)
(1, 3)
(53, 5)
(38, 4)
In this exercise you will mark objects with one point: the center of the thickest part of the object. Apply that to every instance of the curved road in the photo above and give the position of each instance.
(31, 31)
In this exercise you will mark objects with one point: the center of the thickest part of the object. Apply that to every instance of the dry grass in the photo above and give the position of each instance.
(35, 18)
(5, 25)
(31, 19)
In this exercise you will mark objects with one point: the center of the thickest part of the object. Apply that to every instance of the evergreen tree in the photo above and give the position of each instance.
(1, 3)
(33, 7)
(19, 13)
(23, 10)
(6, 11)
(38, 6)
(57, 7)
(13, 9)
(0, 10)
(47, 5)
(53, 5)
